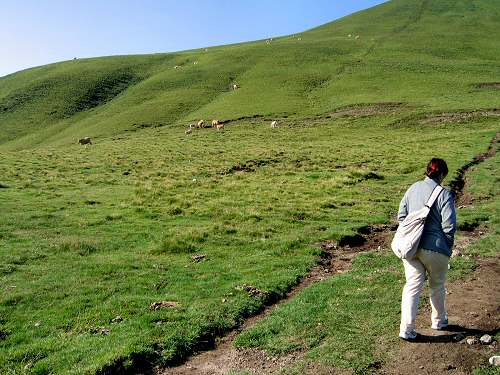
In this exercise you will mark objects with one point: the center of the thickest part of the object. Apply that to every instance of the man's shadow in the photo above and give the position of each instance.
(454, 333)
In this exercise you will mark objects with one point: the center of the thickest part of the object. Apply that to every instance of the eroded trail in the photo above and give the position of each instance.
(337, 258)
(458, 183)
(476, 298)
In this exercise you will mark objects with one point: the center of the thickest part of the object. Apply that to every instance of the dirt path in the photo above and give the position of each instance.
(337, 258)
(474, 305)
(474, 308)
(458, 183)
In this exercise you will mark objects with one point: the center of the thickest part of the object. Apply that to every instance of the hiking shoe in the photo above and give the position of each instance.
(408, 336)
(440, 326)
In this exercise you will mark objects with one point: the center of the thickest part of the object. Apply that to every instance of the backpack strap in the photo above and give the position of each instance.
(435, 193)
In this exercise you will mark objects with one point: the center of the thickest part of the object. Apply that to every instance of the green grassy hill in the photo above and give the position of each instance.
(430, 54)
(89, 234)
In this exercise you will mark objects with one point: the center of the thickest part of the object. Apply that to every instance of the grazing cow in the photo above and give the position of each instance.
(236, 86)
(85, 141)
(190, 129)
(299, 38)
(219, 126)
(177, 67)
(357, 37)
(200, 124)
(274, 124)
(215, 123)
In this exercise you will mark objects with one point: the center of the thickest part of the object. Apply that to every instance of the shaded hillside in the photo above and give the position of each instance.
(404, 50)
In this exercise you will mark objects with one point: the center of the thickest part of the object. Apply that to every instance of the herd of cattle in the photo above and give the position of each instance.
(216, 124)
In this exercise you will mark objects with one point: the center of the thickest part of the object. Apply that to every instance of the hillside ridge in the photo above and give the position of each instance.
(390, 53)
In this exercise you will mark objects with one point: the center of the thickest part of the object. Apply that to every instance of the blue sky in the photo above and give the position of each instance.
(37, 32)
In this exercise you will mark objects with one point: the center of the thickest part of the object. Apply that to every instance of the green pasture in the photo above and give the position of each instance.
(89, 234)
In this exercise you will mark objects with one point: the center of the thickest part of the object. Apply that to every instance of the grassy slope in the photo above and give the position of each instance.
(89, 234)
(428, 53)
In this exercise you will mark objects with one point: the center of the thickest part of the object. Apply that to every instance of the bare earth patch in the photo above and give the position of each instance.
(363, 110)
(474, 308)
(451, 117)
(488, 85)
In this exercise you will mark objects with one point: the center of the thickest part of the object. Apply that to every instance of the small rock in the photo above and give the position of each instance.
(99, 331)
(456, 253)
(253, 291)
(472, 341)
(495, 360)
(38, 324)
(163, 305)
(224, 300)
(198, 257)
(486, 340)
(421, 367)
(117, 319)
(451, 366)
(459, 337)
(329, 245)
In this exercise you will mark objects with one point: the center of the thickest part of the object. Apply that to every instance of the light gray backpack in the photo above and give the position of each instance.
(409, 232)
